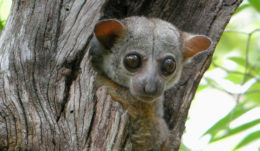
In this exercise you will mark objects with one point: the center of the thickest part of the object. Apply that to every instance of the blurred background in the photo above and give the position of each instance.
(225, 113)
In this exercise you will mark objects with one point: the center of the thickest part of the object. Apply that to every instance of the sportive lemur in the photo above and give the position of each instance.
(137, 59)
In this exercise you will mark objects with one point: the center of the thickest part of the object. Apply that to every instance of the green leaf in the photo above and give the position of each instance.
(253, 93)
(255, 4)
(212, 83)
(184, 148)
(231, 42)
(240, 8)
(235, 77)
(1, 21)
(255, 86)
(257, 67)
(239, 60)
(249, 139)
(238, 129)
(254, 98)
(202, 87)
(223, 124)
(1, 25)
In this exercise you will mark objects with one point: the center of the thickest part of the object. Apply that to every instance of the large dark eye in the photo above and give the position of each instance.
(132, 61)
(168, 66)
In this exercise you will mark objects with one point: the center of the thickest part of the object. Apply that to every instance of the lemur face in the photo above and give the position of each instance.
(149, 74)
(144, 55)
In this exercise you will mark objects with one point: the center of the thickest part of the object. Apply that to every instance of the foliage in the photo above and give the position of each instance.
(237, 56)
(250, 3)
(241, 49)
(4, 11)
(1, 21)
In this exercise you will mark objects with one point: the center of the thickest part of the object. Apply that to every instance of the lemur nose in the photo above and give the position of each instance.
(150, 88)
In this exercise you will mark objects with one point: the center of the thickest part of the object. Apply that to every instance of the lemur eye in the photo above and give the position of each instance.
(132, 61)
(168, 66)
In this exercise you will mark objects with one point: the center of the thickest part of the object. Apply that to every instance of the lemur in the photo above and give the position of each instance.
(137, 59)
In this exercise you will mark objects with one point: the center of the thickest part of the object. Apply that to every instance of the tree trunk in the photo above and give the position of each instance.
(47, 99)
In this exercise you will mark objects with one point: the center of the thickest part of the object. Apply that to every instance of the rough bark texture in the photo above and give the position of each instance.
(47, 100)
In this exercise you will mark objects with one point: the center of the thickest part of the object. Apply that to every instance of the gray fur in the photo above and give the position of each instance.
(142, 89)
(153, 38)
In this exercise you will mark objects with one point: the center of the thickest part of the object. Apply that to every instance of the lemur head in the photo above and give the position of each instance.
(145, 55)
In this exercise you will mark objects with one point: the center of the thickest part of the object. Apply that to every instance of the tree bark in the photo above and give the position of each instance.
(47, 99)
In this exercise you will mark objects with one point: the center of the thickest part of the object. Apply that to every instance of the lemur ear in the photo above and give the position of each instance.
(194, 44)
(108, 31)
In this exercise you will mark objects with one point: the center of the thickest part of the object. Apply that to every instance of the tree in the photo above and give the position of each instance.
(47, 99)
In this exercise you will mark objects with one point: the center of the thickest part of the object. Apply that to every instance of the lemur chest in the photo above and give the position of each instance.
(148, 129)
(147, 134)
